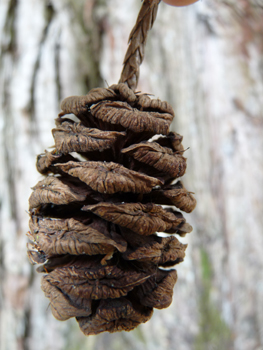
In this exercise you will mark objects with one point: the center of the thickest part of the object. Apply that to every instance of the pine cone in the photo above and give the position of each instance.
(94, 217)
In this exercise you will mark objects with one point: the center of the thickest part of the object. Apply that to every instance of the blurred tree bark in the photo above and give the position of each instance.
(207, 61)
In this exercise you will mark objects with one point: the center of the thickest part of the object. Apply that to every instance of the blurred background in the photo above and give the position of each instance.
(207, 61)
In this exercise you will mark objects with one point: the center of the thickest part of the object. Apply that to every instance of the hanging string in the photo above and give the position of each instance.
(137, 41)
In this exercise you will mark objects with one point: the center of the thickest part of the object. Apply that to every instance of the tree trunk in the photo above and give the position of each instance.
(206, 60)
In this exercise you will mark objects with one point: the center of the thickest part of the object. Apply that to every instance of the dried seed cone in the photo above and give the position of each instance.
(94, 217)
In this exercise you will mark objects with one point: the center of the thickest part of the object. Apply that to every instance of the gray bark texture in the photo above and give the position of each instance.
(207, 61)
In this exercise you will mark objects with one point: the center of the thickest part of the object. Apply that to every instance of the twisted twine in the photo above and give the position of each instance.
(137, 41)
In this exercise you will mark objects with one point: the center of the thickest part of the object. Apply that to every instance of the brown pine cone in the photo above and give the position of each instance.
(94, 217)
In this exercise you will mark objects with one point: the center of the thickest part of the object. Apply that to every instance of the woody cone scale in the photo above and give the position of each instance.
(95, 217)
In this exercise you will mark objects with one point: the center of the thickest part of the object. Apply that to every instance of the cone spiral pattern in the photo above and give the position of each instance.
(94, 217)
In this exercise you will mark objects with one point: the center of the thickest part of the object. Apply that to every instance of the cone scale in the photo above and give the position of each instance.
(95, 217)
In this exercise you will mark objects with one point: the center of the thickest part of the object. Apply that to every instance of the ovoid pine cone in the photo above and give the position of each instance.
(94, 217)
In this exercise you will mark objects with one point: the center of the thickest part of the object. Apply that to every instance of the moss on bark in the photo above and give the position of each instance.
(214, 333)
